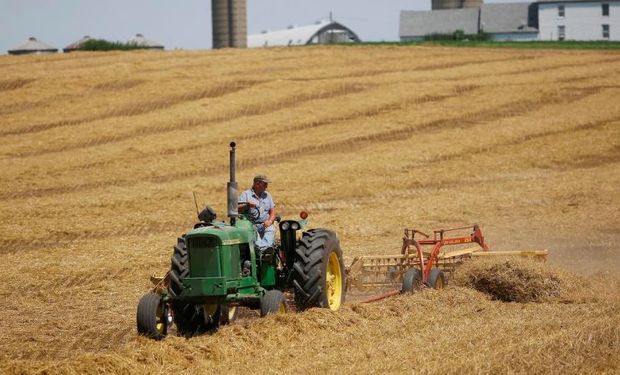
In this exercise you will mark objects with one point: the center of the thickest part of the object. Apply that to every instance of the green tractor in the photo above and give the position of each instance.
(215, 269)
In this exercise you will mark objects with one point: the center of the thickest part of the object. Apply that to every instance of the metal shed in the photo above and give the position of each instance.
(141, 41)
(323, 32)
(32, 46)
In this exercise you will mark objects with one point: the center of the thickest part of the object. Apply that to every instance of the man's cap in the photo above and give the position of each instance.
(261, 177)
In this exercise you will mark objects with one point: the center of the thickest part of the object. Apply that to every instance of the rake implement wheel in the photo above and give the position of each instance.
(318, 271)
(436, 279)
(273, 302)
(412, 280)
(152, 317)
(179, 267)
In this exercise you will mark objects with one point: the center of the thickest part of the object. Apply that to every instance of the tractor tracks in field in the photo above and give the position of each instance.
(512, 109)
(433, 186)
(135, 109)
(14, 84)
(61, 239)
(245, 111)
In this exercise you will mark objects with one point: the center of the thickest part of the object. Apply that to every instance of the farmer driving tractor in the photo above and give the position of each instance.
(257, 205)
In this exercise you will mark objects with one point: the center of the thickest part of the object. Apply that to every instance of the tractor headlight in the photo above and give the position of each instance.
(284, 226)
(295, 226)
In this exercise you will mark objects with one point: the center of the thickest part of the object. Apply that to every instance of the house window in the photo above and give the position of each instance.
(605, 8)
(605, 31)
(561, 11)
(561, 32)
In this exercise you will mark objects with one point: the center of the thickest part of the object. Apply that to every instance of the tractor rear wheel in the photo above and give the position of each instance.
(436, 279)
(273, 302)
(318, 271)
(152, 316)
(179, 268)
(412, 281)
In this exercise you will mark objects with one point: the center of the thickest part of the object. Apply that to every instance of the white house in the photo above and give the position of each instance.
(579, 20)
(540, 20)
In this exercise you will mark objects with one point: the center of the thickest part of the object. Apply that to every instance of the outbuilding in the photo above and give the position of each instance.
(77, 44)
(322, 32)
(32, 46)
(142, 42)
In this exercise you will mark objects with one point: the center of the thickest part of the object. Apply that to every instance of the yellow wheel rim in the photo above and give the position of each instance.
(333, 282)
(160, 324)
(439, 283)
(231, 312)
(211, 309)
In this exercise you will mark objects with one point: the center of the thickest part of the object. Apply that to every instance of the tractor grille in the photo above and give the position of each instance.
(204, 257)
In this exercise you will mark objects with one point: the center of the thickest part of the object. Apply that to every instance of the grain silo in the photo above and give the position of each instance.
(229, 19)
(455, 4)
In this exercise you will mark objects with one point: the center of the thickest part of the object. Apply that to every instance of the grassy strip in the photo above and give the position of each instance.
(593, 45)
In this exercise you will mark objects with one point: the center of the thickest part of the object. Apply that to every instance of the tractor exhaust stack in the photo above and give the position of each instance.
(231, 187)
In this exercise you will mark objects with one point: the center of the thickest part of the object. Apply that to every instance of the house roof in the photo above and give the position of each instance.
(506, 18)
(575, 1)
(141, 41)
(77, 44)
(32, 45)
(444, 21)
(295, 36)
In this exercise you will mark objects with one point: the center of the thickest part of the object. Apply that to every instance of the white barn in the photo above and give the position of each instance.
(323, 32)
(579, 20)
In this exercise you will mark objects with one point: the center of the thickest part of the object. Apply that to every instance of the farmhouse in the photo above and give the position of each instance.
(322, 32)
(579, 20)
(541, 20)
(32, 45)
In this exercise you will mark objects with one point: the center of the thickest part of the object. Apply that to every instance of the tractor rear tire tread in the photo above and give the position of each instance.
(310, 267)
(179, 267)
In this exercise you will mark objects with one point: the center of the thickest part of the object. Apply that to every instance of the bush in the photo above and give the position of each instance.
(104, 45)
(458, 35)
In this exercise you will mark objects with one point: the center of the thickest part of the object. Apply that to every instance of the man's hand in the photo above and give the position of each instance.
(268, 223)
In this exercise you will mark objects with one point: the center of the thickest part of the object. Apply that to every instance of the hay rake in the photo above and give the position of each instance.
(380, 272)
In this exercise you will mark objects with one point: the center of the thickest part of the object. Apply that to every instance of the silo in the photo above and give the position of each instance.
(229, 19)
(455, 4)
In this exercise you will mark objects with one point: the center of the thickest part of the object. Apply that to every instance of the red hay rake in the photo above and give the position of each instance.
(379, 272)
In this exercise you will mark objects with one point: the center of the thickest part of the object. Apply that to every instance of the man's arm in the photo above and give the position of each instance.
(272, 217)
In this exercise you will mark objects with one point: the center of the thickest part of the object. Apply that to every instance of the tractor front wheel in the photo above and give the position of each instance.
(189, 318)
(273, 302)
(318, 271)
(152, 316)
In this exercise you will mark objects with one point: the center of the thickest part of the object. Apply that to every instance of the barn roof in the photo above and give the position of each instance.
(444, 21)
(295, 35)
(77, 44)
(32, 45)
(507, 18)
(141, 41)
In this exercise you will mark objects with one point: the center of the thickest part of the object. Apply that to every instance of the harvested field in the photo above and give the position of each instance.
(100, 154)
